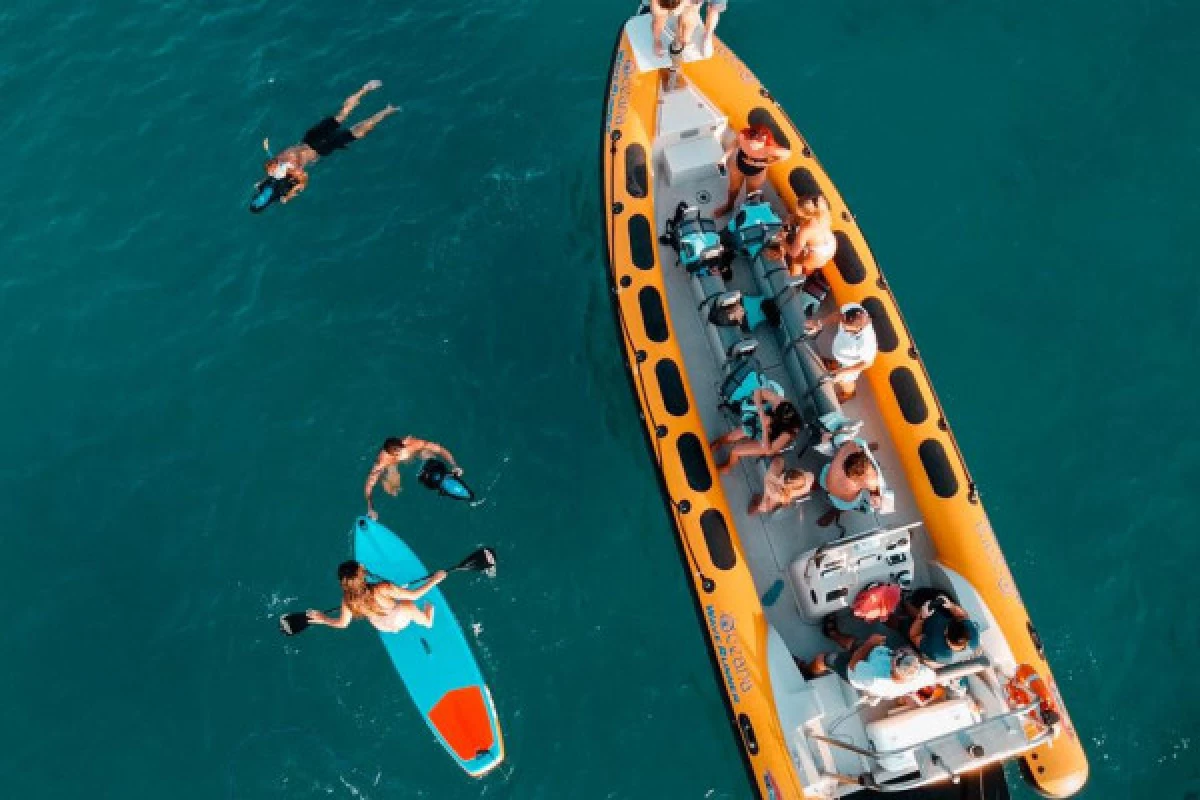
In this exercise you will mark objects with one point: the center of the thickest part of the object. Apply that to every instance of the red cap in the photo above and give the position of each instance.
(877, 602)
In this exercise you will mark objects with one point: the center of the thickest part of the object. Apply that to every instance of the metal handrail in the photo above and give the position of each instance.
(876, 755)
(915, 783)
(836, 543)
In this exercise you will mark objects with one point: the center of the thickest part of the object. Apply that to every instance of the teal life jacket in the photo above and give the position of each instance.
(754, 224)
(695, 240)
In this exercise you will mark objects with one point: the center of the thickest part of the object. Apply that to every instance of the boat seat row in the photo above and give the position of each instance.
(797, 301)
(793, 301)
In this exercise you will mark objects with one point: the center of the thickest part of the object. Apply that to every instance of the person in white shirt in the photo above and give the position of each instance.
(853, 349)
(876, 669)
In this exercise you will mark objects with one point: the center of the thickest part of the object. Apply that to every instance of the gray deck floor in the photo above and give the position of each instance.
(771, 542)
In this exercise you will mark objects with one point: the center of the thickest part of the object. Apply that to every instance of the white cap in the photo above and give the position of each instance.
(905, 663)
(853, 307)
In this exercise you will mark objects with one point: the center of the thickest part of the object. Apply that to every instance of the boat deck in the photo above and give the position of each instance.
(771, 542)
(805, 563)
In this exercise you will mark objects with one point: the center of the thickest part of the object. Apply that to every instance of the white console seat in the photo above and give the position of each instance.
(912, 727)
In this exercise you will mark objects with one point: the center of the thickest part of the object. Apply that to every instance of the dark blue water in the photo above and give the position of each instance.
(192, 394)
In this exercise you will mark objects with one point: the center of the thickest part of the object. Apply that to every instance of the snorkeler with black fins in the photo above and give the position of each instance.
(440, 471)
(286, 176)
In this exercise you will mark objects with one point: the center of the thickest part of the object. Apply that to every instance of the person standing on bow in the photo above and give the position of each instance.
(687, 16)
(394, 452)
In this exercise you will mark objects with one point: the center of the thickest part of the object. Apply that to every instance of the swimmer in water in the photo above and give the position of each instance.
(321, 140)
(396, 451)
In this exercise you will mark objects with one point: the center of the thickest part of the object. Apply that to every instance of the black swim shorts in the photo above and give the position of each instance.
(328, 135)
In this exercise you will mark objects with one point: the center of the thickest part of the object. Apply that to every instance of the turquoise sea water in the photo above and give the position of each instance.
(191, 394)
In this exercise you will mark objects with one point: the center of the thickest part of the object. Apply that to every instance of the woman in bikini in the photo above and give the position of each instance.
(390, 608)
(774, 426)
(782, 486)
(754, 151)
(809, 243)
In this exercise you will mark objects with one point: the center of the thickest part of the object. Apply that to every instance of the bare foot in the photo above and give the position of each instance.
(372, 85)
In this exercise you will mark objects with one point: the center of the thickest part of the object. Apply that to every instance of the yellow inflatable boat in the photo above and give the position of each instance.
(707, 314)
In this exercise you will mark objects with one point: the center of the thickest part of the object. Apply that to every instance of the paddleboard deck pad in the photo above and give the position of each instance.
(436, 664)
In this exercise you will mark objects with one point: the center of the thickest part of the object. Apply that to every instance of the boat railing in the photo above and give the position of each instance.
(976, 757)
(819, 554)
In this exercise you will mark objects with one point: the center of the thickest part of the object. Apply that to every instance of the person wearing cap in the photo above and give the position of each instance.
(322, 139)
(875, 668)
(853, 349)
(942, 630)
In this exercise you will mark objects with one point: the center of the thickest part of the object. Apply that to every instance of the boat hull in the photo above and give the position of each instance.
(726, 597)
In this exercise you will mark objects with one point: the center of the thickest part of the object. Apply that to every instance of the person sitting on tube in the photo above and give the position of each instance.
(872, 666)
(853, 349)
(808, 242)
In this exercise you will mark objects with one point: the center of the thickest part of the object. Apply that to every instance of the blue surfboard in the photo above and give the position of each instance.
(436, 664)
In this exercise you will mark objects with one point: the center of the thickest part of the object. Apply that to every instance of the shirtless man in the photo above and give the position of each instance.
(809, 240)
(321, 140)
(851, 479)
(396, 451)
(853, 349)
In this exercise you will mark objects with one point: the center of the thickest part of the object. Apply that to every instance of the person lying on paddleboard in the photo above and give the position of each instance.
(388, 607)
(396, 451)
(321, 140)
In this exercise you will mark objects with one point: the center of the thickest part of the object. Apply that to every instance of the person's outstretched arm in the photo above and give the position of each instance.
(369, 487)
(301, 184)
(342, 620)
(404, 593)
(433, 581)
(431, 449)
